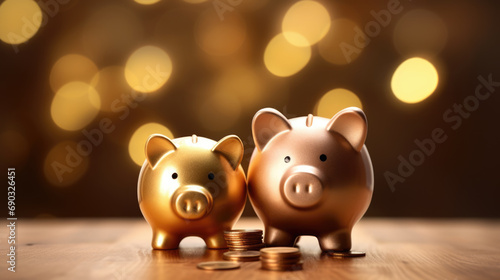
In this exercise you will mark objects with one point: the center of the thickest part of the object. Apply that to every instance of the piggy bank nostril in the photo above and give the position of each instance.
(309, 188)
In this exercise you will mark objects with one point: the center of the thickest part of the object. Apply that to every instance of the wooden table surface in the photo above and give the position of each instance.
(120, 249)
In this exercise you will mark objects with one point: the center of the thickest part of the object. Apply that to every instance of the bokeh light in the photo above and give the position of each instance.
(335, 100)
(71, 68)
(148, 69)
(339, 46)
(309, 19)
(220, 111)
(284, 59)
(19, 20)
(414, 80)
(15, 147)
(220, 37)
(420, 32)
(75, 105)
(147, 2)
(65, 164)
(138, 140)
(110, 83)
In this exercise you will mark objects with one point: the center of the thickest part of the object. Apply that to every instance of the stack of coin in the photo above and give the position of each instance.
(244, 239)
(280, 258)
(241, 256)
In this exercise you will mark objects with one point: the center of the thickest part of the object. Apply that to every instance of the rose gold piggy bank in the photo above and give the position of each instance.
(191, 186)
(310, 176)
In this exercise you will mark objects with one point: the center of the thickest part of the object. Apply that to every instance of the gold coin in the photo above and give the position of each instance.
(348, 254)
(244, 254)
(236, 239)
(247, 245)
(296, 266)
(244, 241)
(218, 265)
(280, 250)
(279, 261)
(242, 231)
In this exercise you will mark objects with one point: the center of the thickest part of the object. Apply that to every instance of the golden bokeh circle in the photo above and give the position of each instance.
(148, 69)
(71, 68)
(310, 19)
(284, 59)
(146, 2)
(19, 20)
(335, 100)
(137, 143)
(74, 106)
(414, 80)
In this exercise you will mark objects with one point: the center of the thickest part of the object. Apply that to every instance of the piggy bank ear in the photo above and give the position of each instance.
(231, 148)
(350, 123)
(157, 147)
(266, 124)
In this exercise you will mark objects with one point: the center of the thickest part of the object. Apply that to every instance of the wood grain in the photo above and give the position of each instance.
(120, 249)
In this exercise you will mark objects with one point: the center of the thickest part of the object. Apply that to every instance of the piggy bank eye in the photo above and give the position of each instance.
(211, 176)
(322, 157)
(174, 175)
(287, 159)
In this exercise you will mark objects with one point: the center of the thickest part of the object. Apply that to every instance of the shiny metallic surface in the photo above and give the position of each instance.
(347, 254)
(242, 256)
(310, 176)
(191, 186)
(218, 265)
(301, 187)
(192, 202)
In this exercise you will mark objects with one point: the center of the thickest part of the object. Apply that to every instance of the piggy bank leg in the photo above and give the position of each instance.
(335, 241)
(216, 241)
(277, 237)
(163, 240)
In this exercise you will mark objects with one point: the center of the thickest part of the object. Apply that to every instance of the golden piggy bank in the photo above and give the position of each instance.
(191, 186)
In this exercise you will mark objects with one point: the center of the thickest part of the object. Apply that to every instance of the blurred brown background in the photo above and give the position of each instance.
(213, 64)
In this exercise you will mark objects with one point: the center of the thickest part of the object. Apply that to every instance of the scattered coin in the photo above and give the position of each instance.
(347, 254)
(218, 265)
(281, 258)
(244, 256)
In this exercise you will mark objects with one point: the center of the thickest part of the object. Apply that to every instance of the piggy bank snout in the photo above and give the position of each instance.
(302, 187)
(192, 202)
